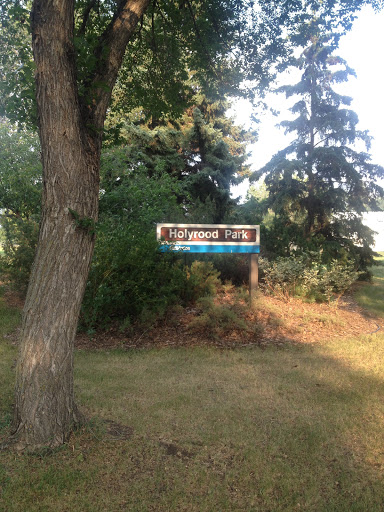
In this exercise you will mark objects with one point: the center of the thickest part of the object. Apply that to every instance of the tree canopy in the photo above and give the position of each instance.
(229, 46)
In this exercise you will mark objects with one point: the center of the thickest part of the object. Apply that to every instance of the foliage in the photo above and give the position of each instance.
(130, 280)
(222, 43)
(203, 149)
(136, 192)
(20, 189)
(202, 280)
(18, 250)
(232, 267)
(20, 170)
(17, 97)
(218, 47)
(215, 158)
(306, 276)
(128, 275)
(337, 279)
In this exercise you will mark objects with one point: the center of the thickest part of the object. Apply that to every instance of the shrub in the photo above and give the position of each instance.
(337, 279)
(129, 279)
(214, 319)
(202, 280)
(283, 276)
(232, 267)
(307, 277)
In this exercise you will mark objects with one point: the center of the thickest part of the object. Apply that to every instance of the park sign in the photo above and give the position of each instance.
(207, 238)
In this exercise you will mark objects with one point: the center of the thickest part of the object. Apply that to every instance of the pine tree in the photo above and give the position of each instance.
(215, 157)
(321, 183)
(203, 149)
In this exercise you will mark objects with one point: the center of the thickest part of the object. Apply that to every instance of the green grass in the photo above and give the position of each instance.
(371, 297)
(9, 319)
(295, 428)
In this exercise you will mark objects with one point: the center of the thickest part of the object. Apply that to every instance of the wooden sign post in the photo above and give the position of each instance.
(253, 274)
(214, 238)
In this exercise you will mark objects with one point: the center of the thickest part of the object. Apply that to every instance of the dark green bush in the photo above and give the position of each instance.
(284, 239)
(202, 280)
(132, 282)
(19, 245)
(129, 279)
(232, 267)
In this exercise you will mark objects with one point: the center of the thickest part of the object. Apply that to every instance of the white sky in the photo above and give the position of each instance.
(362, 49)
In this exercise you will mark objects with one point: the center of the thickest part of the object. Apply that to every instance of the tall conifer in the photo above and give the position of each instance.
(322, 182)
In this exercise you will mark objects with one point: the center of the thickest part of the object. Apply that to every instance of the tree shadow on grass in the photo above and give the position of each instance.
(292, 428)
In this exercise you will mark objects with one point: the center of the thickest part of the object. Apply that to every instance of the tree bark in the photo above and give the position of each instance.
(45, 409)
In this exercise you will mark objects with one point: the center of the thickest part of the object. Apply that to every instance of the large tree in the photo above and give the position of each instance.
(78, 50)
(322, 182)
(70, 132)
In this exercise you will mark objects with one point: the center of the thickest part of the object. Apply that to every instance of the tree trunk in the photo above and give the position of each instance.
(44, 407)
(45, 410)
(70, 135)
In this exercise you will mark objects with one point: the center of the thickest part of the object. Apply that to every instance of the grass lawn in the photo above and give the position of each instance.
(372, 297)
(298, 427)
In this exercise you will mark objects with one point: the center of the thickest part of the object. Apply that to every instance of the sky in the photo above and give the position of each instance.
(362, 49)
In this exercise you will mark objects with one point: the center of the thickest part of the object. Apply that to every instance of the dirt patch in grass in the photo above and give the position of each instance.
(117, 431)
(269, 321)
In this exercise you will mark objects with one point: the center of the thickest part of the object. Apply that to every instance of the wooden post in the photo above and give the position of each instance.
(253, 274)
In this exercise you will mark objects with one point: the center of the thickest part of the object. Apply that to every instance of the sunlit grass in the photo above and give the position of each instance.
(299, 428)
(371, 296)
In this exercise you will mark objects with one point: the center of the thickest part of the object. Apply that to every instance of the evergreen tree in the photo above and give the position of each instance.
(320, 184)
(203, 149)
(215, 157)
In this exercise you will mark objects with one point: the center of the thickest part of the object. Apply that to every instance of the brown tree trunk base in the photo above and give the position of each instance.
(21, 441)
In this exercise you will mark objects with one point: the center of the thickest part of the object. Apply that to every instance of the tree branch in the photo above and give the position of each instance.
(325, 139)
(91, 4)
(109, 53)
